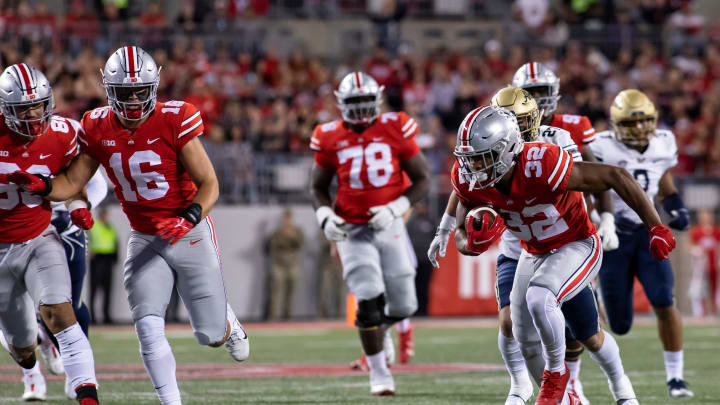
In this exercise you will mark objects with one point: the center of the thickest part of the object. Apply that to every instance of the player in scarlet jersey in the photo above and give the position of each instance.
(536, 188)
(33, 268)
(373, 156)
(166, 185)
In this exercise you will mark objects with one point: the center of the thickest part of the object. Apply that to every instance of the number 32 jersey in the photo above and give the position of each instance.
(539, 209)
(144, 165)
(24, 215)
(368, 165)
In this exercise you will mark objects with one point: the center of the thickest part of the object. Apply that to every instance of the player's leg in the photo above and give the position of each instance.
(48, 281)
(523, 328)
(202, 289)
(148, 283)
(616, 283)
(361, 271)
(657, 280)
(521, 388)
(404, 328)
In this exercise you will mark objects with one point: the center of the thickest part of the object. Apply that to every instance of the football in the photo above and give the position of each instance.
(477, 214)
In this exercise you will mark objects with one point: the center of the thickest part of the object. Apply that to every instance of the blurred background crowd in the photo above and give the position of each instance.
(261, 88)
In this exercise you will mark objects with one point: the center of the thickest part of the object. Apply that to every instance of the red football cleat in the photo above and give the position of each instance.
(552, 387)
(360, 364)
(406, 346)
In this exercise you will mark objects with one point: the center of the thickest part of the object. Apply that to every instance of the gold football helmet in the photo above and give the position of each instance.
(523, 105)
(634, 118)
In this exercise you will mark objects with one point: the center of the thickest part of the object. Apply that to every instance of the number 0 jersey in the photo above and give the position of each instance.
(647, 168)
(367, 164)
(579, 126)
(25, 215)
(539, 209)
(144, 164)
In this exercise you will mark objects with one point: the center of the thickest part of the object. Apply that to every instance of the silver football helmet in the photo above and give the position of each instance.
(541, 83)
(488, 141)
(359, 98)
(131, 79)
(22, 90)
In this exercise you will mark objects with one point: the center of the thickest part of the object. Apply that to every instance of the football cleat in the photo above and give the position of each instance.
(552, 388)
(35, 388)
(51, 357)
(69, 391)
(623, 392)
(237, 343)
(677, 388)
(360, 364)
(519, 394)
(382, 383)
(575, 387)
(406, 346)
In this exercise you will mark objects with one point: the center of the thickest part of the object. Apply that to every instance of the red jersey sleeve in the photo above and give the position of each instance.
(459, 185)
(588, 132)
(73, 147)
(546, 168)
(191, 124)
(407, 147)
(319, 142)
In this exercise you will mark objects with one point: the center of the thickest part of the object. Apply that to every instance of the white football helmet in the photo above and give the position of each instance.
(131, 72)
(359, 98)
(488, 141)
(22, 87)
(541, 83)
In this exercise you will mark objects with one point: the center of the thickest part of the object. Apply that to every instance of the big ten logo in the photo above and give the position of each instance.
(4, 153)
(476, 278)
(108, 142)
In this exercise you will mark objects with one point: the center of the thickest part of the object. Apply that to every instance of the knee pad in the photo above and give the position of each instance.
(397, 313)
(371, 313)
(537, 300)
(151, 335)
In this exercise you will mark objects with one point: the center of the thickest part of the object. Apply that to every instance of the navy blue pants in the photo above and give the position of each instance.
(580, 312)
(620, 267)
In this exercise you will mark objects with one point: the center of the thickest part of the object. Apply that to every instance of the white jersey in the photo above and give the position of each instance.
(510, 246)
(96, 189)
(647, 168)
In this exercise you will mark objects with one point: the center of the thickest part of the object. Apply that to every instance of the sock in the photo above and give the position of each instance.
(674, 364)
(608, 358)
(378, 362)
(514, 362)
(158, 358)
(550, 324)
(534, 361)
(35, 370)
(77, 356)
(4, 342)
(403, 326)
(574, 367)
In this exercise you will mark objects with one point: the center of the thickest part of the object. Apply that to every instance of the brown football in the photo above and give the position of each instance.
(477, 214)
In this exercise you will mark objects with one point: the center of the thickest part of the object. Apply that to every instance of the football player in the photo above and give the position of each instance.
(648, 153)
(536, 189)
(580, 312)
(373, 156)
(33, 268)
(166, 185)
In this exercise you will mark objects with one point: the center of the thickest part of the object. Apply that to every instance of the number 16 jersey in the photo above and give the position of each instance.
(368, 165)
(144, 164)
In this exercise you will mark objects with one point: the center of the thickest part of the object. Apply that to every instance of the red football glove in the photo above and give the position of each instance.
(174, 228)
(82, 218)
(29, 182)
(479, 240)
(662, 242)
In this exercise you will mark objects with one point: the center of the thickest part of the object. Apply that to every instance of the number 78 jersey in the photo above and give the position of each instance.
(368, 165)
(144, 165)
(539, 209)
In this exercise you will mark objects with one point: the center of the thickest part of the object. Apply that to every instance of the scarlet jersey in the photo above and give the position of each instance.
(579, 126)
(24, 215)
(144, 165)
(367, 164)
(539, 209)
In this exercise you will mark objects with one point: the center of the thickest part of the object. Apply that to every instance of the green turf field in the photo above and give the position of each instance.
(322, 346)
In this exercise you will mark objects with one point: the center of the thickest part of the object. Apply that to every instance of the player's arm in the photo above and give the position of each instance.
(417, 170)
(672, 202)
(331, 224)
(198, 165)
(603, 204)
(460, 231)
(444, 229)
(70, 182)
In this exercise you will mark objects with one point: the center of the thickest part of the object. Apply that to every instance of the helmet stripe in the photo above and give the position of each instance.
(25, 72)
(468, 124)
(532, 70)
(357, 81)
(131, 60)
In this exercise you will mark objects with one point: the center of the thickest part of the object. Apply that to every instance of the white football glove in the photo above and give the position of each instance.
(606, 232)
(440, 241)
(331, 224)
(384, 215)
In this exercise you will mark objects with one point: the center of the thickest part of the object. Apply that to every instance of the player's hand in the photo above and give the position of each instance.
(172, 229)
(382, 216)
(30, 182)
(82, 218)
(607, 232)
(438, 245)
(479, 240)
(662, 242)
(331, 224)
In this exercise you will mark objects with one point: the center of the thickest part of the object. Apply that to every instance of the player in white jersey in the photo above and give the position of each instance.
(580, 311)
(648, 154)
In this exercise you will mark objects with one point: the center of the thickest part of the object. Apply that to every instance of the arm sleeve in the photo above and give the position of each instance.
(588, 132)
(407, 147)
(190, 126)
(97, 189)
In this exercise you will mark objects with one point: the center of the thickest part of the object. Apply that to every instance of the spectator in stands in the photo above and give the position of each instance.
(285, 246)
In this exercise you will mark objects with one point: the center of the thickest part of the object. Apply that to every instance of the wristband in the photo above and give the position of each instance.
(447, 222)
(193, 213)
(77, 204)
(48, 185)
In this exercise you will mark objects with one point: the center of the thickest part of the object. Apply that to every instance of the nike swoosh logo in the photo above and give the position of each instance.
(481, 242)
(45, 156)
(192, 242)
(530, 200)
(151, 141)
